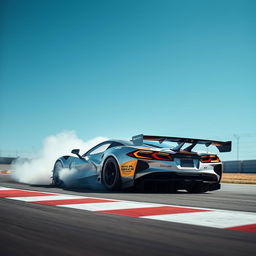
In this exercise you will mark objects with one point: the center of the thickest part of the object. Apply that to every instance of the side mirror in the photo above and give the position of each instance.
(75, 151)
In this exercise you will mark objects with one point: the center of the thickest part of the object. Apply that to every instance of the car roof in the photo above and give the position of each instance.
(130, 143)
(124, 142)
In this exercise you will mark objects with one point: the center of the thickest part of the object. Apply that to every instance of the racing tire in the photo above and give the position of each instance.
(55, 177)
(111, 174)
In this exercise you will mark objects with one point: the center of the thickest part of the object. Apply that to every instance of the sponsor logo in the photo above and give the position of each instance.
(127, 169)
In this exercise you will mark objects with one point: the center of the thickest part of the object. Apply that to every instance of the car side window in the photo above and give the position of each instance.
(116, 144)
(100, 149)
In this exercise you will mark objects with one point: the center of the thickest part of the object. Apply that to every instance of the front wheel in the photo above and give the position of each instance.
(111, 174)
(55, 177)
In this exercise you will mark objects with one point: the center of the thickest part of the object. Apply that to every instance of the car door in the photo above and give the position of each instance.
(82, 165)
(88, 165)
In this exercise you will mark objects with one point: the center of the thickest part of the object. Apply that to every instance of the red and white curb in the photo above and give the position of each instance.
(234, 220)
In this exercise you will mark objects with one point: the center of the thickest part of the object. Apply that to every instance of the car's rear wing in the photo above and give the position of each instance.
(223, 146)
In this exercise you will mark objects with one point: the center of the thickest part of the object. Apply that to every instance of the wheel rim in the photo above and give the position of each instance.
(110, 173)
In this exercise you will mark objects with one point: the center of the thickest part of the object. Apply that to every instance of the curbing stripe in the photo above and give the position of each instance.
(109, 206)
(45, 198)
(18, 193)
(215, 219)
(139, 212)
(247, 228)
(73, 201)
(231, 220)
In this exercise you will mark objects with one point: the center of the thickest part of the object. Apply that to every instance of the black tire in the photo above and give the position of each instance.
(55, 177)
(111, 174)
(197, 188)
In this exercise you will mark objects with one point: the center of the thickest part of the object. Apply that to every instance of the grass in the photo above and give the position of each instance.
(239, 178)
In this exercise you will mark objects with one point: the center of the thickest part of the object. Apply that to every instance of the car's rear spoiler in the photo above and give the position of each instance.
(223, 146)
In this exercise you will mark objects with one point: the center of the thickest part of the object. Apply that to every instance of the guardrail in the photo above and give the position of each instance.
(7, 160)
(243, 166)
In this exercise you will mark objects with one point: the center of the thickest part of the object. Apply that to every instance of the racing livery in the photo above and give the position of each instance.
(147, 161)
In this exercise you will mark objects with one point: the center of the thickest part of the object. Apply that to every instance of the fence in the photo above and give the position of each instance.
(6, 160)
(244, 166)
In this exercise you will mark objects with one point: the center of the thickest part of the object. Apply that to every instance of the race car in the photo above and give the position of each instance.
(147, 161)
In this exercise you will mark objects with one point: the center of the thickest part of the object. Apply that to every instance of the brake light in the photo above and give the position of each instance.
(151, 155)
(209, 159)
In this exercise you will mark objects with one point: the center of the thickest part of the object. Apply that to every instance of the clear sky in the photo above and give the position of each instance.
(117, 68)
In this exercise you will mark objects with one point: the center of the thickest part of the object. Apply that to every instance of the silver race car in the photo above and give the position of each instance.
(147, 162)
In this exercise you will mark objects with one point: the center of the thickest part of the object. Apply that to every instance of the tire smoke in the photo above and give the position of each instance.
(73, 178)
(38, 169)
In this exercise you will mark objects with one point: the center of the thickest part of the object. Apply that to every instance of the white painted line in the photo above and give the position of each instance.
(109, 206)
(3, 188)
(216, 219)
(45, 198)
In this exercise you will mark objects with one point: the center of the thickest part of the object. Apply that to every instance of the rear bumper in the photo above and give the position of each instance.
(178, 180)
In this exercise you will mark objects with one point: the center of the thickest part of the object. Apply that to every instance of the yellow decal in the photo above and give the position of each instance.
(127, 169)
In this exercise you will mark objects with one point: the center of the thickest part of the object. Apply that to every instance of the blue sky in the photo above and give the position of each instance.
(117, 68)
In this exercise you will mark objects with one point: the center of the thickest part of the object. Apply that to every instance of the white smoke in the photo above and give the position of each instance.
(73, 178)
(38, 169)
(68, 175)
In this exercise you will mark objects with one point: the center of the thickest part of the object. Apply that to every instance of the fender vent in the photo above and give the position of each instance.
(218, 169)
(141, 166)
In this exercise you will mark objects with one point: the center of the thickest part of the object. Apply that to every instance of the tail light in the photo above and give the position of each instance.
(151, 155)
(209, 159)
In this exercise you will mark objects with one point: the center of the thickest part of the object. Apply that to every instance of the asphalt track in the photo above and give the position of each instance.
(34, 229)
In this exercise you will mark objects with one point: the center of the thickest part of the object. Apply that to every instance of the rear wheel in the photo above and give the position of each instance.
(111, 174)
(55, 177)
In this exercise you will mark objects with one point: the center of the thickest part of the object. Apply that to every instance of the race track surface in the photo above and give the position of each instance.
(36, 229)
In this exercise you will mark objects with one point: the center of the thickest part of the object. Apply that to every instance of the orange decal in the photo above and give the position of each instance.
(127, 169)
